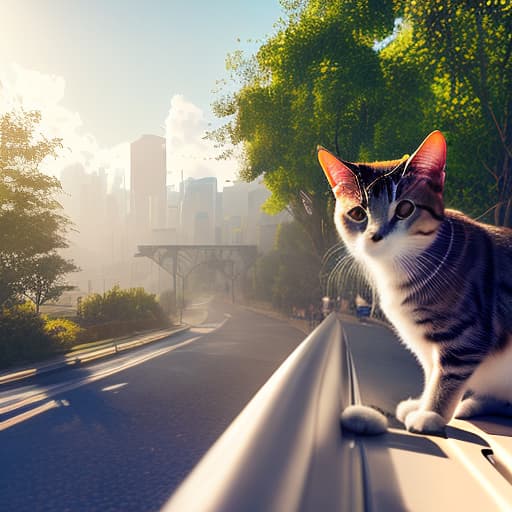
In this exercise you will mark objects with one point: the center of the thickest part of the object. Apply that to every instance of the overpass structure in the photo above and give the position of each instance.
(180, 261)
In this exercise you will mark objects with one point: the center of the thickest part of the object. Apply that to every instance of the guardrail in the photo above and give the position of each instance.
(86, 355)
(285, 451)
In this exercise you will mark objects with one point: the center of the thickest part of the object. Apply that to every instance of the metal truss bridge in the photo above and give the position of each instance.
(181, 260)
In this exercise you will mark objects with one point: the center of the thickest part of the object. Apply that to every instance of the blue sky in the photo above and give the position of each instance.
(122, 61)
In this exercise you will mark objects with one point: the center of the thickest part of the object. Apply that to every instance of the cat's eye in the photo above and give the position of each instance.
(357, 213)
(404, 209)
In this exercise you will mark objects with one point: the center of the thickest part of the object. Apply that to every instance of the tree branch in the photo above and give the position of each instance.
(500, 131)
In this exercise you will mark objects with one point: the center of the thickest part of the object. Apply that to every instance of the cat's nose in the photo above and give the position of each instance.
(377, 237)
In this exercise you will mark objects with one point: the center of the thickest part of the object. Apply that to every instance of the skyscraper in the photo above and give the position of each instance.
(198, 211)
(148, 174)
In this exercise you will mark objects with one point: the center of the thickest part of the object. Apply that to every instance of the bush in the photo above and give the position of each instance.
(288, 276)
(22, 335)
(63, 332)
(116, 305)
(26, 336)
(115, 329)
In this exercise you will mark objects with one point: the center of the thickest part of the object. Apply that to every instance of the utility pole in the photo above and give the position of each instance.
(233, 282)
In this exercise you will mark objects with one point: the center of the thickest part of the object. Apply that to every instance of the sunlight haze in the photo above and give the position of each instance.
(104, 73)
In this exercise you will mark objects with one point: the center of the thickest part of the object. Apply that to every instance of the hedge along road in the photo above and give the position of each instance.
(121, 434)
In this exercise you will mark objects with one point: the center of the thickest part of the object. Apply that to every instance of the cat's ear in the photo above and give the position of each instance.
(429, 160)
(342, 179)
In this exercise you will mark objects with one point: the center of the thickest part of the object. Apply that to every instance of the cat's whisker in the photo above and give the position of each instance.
(347, 275)
(339, 247)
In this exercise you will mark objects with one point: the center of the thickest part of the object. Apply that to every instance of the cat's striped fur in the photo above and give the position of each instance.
(444, 280)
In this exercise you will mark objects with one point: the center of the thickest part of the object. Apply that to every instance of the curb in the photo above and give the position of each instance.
(85, 356)
(303, 325)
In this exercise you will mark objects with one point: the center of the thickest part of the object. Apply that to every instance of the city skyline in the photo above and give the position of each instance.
(113, 223)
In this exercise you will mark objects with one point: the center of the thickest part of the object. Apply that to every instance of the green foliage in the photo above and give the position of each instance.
(120, 312)
(27, 336)
(317, 80)
(320, 79)
(32, 225)
(265, 273)
(63, 332)
(452, 62)
(288, 275)
(43, 279)
(23, 336)
(117, 305)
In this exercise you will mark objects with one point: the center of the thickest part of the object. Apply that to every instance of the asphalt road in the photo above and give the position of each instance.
(124, 441)
(122, 433)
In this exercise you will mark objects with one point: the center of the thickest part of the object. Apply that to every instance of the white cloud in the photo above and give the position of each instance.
(187, 150)
(32, 90)
(185, 128)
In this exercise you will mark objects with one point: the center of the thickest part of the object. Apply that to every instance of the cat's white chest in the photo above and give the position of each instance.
(391, 303)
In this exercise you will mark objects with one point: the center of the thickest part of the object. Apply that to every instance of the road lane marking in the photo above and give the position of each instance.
(101, 374)
(69, 386)
(52, 404)
(115, 387)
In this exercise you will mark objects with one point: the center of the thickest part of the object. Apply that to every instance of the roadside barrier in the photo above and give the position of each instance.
(86, 355)
(284, 452)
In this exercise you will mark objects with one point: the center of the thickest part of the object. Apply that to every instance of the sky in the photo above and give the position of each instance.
(104, 72)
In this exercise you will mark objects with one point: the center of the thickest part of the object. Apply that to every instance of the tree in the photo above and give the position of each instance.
(43, 280)
(462, 54)
(31, 220)
(317, 80)
(289, 275)
(407, 99)
(321, 79)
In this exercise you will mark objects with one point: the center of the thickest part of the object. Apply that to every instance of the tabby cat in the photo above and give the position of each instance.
(444, 280)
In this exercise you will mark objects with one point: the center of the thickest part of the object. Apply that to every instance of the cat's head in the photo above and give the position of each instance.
(387, 209)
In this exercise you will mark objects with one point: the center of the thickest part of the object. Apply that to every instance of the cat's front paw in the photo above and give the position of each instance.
(405, 407)
(364, 420)
(425, 422)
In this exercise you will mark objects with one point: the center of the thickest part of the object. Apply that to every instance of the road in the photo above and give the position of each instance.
(107, 438)
(121, 434)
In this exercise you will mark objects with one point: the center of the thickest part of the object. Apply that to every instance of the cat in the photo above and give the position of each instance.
(444, 280)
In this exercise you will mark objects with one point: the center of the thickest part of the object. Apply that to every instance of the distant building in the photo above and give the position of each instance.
(112, 221)
(148, 175)
(235, 211)
(85, 201)
(173, 208)
(244, 221)
(98, 244)
(198, 215)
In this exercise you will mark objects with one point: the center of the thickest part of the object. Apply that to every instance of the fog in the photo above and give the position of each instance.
(113, 216)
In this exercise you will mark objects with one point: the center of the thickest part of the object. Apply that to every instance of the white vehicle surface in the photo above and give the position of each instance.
(287, 452)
